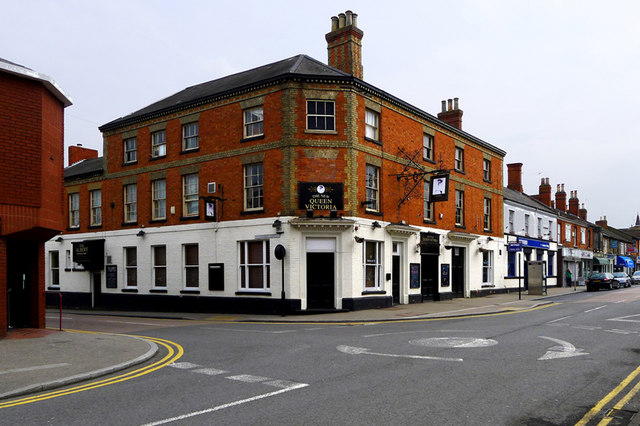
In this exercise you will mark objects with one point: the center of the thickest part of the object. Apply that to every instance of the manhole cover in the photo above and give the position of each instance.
(453, 342)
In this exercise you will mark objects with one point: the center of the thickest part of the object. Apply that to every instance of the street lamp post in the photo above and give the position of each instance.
(280, 252)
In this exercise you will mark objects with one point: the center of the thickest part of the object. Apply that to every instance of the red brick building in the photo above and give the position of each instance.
(295, 153)
(31, 207)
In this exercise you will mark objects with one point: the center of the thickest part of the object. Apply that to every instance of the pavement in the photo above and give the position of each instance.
(36, 360)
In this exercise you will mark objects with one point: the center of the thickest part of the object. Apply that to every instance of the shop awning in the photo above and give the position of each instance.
(624, 261)
(601, 260)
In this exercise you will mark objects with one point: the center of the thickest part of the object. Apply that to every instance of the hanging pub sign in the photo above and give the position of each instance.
(210, 210)
(439, 190)
(320, 196)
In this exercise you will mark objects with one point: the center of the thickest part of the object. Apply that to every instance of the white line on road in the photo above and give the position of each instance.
(351, 350)
(57, 317)
(37, 367)
(617, 331)
(223, 406)
(183, 365)
(595, 309)
(132, 322)
(248, 378)
(587, 327)
(559, 319)
(210, 371)
(625, 319)
(420, 331)
(248, 330)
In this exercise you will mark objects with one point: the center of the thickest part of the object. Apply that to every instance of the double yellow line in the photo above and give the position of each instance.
(174, 352)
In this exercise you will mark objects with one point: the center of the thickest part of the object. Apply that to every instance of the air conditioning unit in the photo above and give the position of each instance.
(211, 187)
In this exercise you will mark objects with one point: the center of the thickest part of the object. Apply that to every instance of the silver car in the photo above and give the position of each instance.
(623, 279)
(635, 278)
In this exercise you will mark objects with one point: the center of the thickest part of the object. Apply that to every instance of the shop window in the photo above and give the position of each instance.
(131, 266)
(254, 265)
(191, 265)
(372, 264)
(487, 268)
(159, 254)
(511, 264)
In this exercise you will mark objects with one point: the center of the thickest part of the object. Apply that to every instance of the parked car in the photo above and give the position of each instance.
(599, 280)
(622, 278)
(635, 278)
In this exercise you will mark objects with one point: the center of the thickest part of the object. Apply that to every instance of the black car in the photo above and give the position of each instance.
(600, 280)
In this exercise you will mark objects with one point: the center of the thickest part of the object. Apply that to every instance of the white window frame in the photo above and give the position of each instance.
(487, 267)
(74, 210)
(130, 148)
(486, 169)
(372, 125)
(95, 200)
(512, 215)
(315, 117)
(567, 232)
(190, 201)
(253, 186)
(54, 268)
(459, 207)
(130, 256)
(189, 268)
(158, 199)
(427, 147)
(253, 122)
(459, 159)
(583, 236)
(372, 187)
(526, 224)
(539, 227)
(244, 275)
(372, 264)
(487, 214)
(130, 203)
(427, 212)
(159, 144)
(190, 136)
(159, 267)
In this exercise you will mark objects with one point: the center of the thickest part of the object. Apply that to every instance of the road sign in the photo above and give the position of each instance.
(514, 247)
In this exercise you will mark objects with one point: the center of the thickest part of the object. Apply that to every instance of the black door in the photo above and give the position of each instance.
(320, 281)
(97, 289)
(457, 271)
(395, 279)
(22, 269)
(429, 276)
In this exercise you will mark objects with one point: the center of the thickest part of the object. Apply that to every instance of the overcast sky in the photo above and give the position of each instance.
(556, 84)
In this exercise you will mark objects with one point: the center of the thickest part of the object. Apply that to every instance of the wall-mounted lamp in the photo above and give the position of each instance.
(358, 239)
(278, 225)
(59, 240)
(140, 233)
(418, 248)
(448, 247)
(309, 213)
(489, 239)
(376, 224)
(333, 214)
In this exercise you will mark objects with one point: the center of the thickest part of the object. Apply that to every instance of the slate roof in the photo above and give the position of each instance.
(526, 200)
(300, 66)
(84, 169)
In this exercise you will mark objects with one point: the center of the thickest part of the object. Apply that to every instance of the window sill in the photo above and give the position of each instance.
(488, 231)
(129, 223)
(77, 270)
(462, 172)
(429, 221)
(428, 160)
(187, 218)
(373, 212)
(158, 290)
(321, 132)
(54, 288)
(158, 220)
(73, 228)
(130, 163)
(370, 292)
(487, 180)
(189, 151)
(129, 290)
(157, 157)
(257, 211)
(253, 293)
(460, 226)
(95, 226)
(189, 291)
(377, 142)
(487, 286)
(252, 138)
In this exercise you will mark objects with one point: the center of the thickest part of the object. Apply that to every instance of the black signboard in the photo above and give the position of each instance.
(444, 275)
(414, 275)
(320, 196)
(112, 276)
(429, 243)
(216, 276)
(90, 254)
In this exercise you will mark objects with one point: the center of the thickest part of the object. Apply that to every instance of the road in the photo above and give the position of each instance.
(552, 366)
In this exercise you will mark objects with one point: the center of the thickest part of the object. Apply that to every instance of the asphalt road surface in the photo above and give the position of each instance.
(564, 364)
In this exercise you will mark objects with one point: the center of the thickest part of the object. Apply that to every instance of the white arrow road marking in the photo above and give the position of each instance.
(565, 350)
(351, 350)
(626, 319)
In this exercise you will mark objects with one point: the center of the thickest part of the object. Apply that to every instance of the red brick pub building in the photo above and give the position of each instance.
(198, 194)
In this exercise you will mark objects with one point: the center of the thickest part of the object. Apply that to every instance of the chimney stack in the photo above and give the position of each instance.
(514, 176)
(582, 213)
(451, 115)
(602, 222)
(344, 44)
(544, 192)
(561, 198)
(78, 153)
(574, 204)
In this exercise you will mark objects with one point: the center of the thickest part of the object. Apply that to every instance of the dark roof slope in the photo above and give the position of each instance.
(84, 169)
(526, 200)
(300, 66)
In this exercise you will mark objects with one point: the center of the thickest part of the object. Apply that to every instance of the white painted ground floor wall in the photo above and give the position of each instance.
(354, 270)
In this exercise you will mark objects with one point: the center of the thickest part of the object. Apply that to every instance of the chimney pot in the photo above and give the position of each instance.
(344, 44)
(341, 20)
(450, 104)
(444, 106)
(348, 20)
(334, 23)
(455, 103)
(354, 19)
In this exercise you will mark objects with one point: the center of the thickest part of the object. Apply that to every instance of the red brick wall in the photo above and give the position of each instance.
(78, 153)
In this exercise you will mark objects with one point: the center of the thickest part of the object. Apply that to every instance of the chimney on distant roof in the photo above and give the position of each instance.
(561, 198)
(602, 222)
(582, 213)
(78, 153)
(544, 192)
(574, 204)
(344, 44)
(451, 113)
(514, 176)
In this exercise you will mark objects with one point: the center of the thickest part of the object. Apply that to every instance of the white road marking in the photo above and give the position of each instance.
(615, 330)
(559, 319)
(453, 342)
(566, 350)
(284, 384)
(364, 351)
(421, 331)
(248, 330)
(595, 309)
(587, 327)
(57, 317)
(183, 365)
(131, 322)
(248, 378)
(36, 367)
(223, 406)
(210, 371)
(625, 318)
